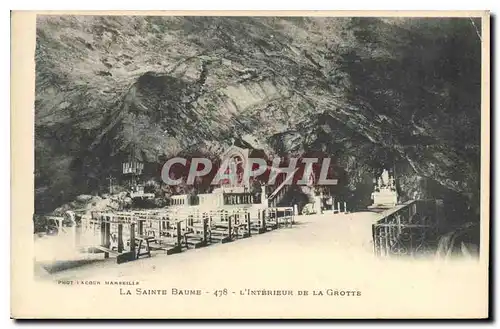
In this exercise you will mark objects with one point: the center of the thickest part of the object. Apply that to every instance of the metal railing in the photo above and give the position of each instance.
(411, 229)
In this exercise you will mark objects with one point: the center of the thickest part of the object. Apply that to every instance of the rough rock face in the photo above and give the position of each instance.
(372, 93)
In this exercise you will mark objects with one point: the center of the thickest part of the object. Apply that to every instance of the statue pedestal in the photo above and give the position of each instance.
(385, 197)
(317, 205)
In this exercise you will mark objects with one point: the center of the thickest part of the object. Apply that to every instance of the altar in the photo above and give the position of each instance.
(385, 193)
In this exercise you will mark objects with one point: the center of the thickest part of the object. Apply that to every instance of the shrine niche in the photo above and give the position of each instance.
(385, 193)
(237, 160)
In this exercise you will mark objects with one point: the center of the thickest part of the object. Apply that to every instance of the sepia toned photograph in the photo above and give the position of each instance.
(258, 165)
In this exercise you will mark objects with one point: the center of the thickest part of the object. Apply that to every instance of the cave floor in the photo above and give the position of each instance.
(314, 242)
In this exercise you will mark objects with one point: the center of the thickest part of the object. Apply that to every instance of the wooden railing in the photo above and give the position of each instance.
(124, 233)
(411, 229)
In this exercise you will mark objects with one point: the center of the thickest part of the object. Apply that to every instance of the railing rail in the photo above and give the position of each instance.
(410, 229)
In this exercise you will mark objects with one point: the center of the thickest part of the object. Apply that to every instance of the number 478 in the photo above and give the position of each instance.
(219, 293)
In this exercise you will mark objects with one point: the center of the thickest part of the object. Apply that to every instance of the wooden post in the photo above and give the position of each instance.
(229, 229)
(249, 224)
(103, 232)
(120, 237)
(132, 239)
(179, 235)
(345, 207)
(264, 219)
(321, 197)
(107, 241)
(108, 235)
(205, 229)
(141, 227)
(295, 210)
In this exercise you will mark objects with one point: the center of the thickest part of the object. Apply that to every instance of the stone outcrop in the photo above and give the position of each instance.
(356, 89)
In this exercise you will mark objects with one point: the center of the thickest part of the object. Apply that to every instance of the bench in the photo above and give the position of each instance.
(143, 242)
(121, 257)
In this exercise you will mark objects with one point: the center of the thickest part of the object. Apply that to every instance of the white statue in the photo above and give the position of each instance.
(385, 177)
